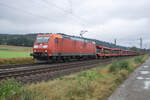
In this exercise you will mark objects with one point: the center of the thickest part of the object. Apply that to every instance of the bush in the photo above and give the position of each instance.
(124, 65)
(83, 85)
(9, 88)
(138, 59)
(87, 77)
(113, 66)
(119, 65)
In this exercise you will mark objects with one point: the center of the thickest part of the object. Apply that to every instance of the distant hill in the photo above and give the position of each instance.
(28, 40)
(17, 40)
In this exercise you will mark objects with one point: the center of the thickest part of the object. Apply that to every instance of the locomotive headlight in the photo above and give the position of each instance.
(36, 46)
(45, 50)
(45, 46)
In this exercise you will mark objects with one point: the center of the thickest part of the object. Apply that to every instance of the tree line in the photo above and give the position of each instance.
(28, 40)
(17, 40)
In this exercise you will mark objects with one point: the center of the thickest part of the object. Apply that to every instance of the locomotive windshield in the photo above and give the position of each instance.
(43, 39)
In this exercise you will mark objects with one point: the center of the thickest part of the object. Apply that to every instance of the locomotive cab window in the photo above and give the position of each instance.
(42, 39)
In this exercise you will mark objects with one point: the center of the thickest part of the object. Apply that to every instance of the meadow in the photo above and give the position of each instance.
(14, 51)
(15, 55)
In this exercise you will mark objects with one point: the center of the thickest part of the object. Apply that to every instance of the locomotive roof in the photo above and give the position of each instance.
(76, 38)
(98, 42)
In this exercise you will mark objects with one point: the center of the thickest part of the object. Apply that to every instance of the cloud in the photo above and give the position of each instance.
(124, 20)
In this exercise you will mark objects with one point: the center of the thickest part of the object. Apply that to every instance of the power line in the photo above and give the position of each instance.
(132, 42)
(43, 17)
(46, 2)
(24, 11)
(30, 13)
(82, 21)
(70, 3)
(65, 11)
(72, 14)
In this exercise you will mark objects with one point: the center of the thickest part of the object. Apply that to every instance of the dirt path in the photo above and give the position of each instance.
(136, 87)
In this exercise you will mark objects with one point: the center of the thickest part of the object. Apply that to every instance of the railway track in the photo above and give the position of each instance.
(18, 65)
(5, 67)
(34, 73)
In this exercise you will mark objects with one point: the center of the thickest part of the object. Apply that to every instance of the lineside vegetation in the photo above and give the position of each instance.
(10, 61)
(94, 84)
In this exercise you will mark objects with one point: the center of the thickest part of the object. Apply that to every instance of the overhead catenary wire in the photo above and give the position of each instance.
(40, 16)
(133, 42)
(70, 3)
(46, 2)
(47, 18)
(72, 14)
(24, 11)
(78, 18)
(74, 17)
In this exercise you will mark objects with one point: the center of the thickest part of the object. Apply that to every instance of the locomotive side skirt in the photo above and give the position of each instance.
(71, 54)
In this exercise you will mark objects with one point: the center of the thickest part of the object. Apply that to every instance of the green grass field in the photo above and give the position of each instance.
(8, 54)
(14, 51)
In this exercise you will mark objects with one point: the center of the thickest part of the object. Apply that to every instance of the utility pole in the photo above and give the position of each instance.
(115, 41)
(141, 42)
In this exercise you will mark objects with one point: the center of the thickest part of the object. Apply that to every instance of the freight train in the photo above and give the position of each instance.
(55, 47)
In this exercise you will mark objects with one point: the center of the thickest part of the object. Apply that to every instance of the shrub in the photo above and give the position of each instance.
(83, 86)
(119, 65)
(31, 95)
(87, 76)
(124, 64)
(138, 59)
(9, 88)
(113, 66)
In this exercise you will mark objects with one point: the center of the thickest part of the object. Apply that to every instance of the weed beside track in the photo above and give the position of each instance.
(10, 61)
(94, 84)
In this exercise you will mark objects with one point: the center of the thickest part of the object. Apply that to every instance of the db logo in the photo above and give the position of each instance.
(40, 46)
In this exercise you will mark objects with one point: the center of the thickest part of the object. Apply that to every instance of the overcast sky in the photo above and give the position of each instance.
(125, 20)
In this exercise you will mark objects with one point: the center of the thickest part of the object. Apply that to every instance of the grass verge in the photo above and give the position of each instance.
(94, 84)
(9, 61)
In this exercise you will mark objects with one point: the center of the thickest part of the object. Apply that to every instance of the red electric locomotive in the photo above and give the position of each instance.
(61, 46)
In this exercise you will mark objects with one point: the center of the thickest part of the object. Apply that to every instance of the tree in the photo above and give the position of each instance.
(134, 48)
